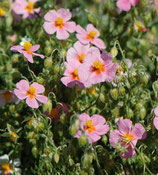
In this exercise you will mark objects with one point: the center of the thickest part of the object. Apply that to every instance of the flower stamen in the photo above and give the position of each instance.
(59, 23)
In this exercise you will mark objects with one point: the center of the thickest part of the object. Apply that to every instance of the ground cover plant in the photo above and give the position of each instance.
(79, 87)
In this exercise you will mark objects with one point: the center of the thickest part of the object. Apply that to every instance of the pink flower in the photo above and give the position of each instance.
(28, 50)
(79, 51)
(57, 111)
(58, 21)
(30, 93)
(155, 121)
(90, 35)
(125, 5)
(25, 8)
(93, 127)
(97, 68)
(7, 96)
(126, 137)
(71, 76)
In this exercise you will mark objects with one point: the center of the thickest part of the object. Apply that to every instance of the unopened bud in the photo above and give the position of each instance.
(114, 93)
(82, 140)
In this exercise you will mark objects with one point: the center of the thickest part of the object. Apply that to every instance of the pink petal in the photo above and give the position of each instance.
(49, 28)
(67, 80)
(82, 39)
(37, 10)
(138, 131)
(17, 48)
(34, 48)
(18, 8)
(20, 94)
(99, 43)
(92, 137)
(22, 85)
(98, 119)
(51, 16)
(156, 111)
(70, 26)
(115, 137)
(64, 13)
(78, 134)
(124, 5)
(39, 88)
(81, 49)
(101, 129)
(84, 117)
(124, 125)
(134, 2)
(129, 153)
(42, 98)
(39, 55)
(80, 30)
(62, 34)
(90, 27)
(28, 56)
(32, 102)
(71, 54)
(155, 121)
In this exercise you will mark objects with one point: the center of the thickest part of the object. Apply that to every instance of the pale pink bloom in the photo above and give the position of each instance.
(28, 50)
(25, 8)
(90, 35)
(58, 21)
(97, 68)
(155, 121)
(156, 3)
(30, 93)
(7, 96)
(79, 51)
(125, 5)
(57, 111)
(94, 127)
(126, 136)
(71, 76)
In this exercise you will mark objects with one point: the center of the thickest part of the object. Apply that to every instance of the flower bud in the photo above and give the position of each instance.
(35, 151)
(12, 108)
(139, 106)
(48, 63)
(87, 160)
(155, 86)
(104, 139)
(56, 157)
(142, 113)
(48, 50)
(82, 140)
(144, 80)
(114, 93)
(15, 58)
(73, 130)
(122, 91)
(40, 80)
(40, 126)
(114, 52)
(129, 112)
(48, 106)
(55, 68)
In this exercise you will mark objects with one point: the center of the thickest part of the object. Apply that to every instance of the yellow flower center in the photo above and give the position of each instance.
(30, 6)
(89, 126)
(91, 35)
(127, 137)
(75, 74)
(31, 92)
(27, 47)
(81, 57)
(2, 12)
(6, 168)
(98, 67)
(59, 22)
(7, 95)
(13, 136)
